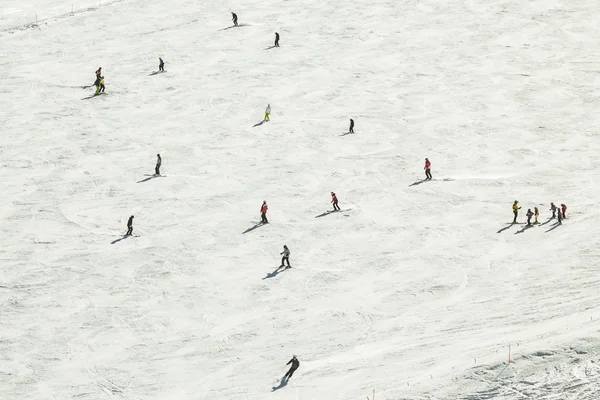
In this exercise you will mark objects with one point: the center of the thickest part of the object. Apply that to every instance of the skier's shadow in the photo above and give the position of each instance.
(505, 228)
(556, 225)
(145, 180)
(325, 214)
(346, 133)
(118, 240)
(418, 182)
(253, 228)
(282, 384)
(233, 26)
(524, 229)
(274, 273)
(269, 48)
(547, 222)
(260, 123)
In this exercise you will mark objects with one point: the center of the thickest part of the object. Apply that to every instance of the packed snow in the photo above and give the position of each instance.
(414, 290)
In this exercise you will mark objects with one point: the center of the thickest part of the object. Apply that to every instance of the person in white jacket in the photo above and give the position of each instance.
(286, 257)
(267, 113)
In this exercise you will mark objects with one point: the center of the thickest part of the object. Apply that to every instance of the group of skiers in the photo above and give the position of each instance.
(562, 212)
(234, 18)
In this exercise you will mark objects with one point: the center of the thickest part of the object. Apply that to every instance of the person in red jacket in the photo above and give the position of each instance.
(427, 170)
(563, 207)
(334, 200)
(263, 212)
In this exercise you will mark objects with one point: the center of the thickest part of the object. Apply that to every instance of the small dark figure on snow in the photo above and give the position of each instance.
(234, 18)
(263, 212)
(295, 364)
(563, 208)
(351, 130)
(286, 256)
(553, 209)
(529, 215)
(276, 39)
(334, 201)
(98, 72)
(515, 208)
(560, 216)
(158, 163)
(161, 65)
(427, 170)
(129, 226)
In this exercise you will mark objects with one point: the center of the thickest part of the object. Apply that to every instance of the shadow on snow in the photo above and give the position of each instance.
(556, 225)
(325, 213)
(253, 227)
(524, 229)
(269, 48)
(275, 273)
(118, 240)
(260, 123)
(505, 228)
(233, 26)
(282, 384)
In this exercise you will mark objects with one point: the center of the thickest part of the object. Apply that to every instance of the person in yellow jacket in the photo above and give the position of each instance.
(536, 213)
(516, 209)
(100, 85)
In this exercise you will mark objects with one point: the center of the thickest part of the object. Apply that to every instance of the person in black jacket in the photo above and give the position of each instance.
(276, 39)
(158, 164)
(295, 364)
(129, 226)
(234, 18)
(351, 130)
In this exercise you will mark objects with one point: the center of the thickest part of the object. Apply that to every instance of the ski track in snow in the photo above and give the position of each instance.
(415, 289)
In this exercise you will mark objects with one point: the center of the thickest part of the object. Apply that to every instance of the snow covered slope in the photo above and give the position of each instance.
(415, 290)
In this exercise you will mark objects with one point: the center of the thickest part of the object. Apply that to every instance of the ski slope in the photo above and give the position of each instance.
(415, 290)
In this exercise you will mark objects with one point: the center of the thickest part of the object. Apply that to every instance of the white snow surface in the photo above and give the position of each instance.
(411, 291)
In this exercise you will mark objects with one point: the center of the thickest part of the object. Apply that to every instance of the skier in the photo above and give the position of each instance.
(536, 212)
(286, 256)
(263, 212)
(102, 84)
(98, 72)
(158, 163)
(529, 215)
(560, 216)
(553, 209)
(234, 18)
(427, 169)
(129, 226)
(97, 84)
(351, 130)
(161, 65)
(276, 39)
(334, 201)
(267, 113)
(563, 208)
(516, 209)
(295, 364)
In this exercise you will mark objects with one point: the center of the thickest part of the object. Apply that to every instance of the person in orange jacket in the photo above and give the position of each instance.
(263, 212)
(427, 170)
(334, 201)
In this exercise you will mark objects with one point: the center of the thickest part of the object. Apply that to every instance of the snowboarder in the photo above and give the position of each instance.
(263, 212)
(286, 256)
(276, 39)
(295, 364)
(334, 201)
(427, 169)
(560, 216)
(553, 209)
(515, 208)
(529, 215)
(161, 65)
(129, 226)
(267, 113)
(98, 72)
(158, 163)
(234, 18)
(536, 212)
(563, 208)
(351, 129)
